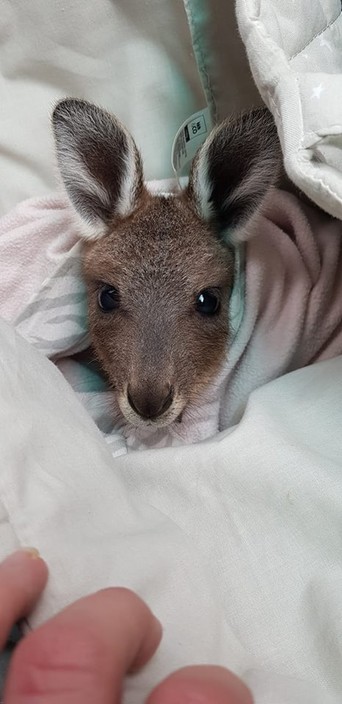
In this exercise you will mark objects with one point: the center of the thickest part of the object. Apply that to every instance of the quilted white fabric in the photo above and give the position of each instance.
(294, 49)
(235, 543)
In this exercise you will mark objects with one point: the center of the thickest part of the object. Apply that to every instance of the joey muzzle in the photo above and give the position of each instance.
(150, 402)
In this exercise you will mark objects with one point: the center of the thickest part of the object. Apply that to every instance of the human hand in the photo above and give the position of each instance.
(82, 655)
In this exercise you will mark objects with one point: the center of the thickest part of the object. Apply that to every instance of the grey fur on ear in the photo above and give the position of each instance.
(99, 163)
(233, 171)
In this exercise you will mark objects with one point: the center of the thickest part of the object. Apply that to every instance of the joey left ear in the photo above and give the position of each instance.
(99, 163)
(233, 171)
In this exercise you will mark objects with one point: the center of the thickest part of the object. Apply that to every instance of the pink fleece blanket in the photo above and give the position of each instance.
(286, 309)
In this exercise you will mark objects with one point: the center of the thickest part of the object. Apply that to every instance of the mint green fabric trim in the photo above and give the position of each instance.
(237, 298)
(198, 19)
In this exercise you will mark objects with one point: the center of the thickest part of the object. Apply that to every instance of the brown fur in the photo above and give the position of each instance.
(159, 259)
(156, 349)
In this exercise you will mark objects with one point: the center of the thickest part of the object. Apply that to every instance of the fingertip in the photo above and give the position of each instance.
(139, 619)
(150, 644)
(26, 561)
(205, 683)
(93, 642)
(23, 577)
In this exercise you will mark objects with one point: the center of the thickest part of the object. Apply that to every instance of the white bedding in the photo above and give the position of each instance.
(133, 58)
(245, 529)
(236, 544)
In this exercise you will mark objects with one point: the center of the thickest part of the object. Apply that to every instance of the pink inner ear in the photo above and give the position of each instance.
(235, 169)
(99, 163)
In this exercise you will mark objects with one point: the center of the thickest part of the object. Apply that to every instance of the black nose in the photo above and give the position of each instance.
(152, 402)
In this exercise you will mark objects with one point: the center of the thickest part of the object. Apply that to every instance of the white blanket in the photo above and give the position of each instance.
(236, 544)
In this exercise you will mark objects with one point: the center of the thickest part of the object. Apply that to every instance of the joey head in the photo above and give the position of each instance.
(159, 269)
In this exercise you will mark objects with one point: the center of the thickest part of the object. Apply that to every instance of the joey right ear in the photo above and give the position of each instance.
(234, 170)
(99, 163)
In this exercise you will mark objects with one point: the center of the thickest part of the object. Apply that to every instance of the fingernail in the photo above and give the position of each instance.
(32, 552)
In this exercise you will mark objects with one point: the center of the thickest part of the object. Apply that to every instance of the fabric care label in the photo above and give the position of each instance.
(192, 133)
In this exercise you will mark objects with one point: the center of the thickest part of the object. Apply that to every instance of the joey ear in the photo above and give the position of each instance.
(99, 163)
(233, 171)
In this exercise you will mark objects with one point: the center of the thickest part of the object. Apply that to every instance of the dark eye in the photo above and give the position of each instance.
(207, 303)
(108, 298)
